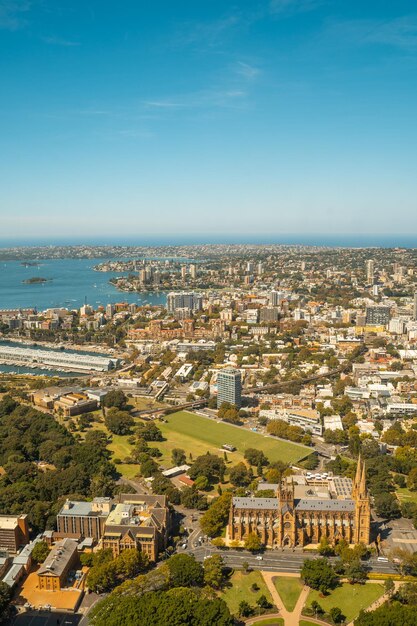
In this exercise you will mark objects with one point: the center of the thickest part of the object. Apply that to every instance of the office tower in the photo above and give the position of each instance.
(249, 267)
(229, 387)
(260, 268)
(193, 270)
(377, 315)
(415, 307)
(183, 271)
(370, 270)
(182, 300)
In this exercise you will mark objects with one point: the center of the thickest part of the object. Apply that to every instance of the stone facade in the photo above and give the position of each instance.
(288, 520)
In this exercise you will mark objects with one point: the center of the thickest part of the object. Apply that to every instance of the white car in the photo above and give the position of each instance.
(259, 558)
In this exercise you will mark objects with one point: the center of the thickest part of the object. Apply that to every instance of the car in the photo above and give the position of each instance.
(259, 558)
(382, 559)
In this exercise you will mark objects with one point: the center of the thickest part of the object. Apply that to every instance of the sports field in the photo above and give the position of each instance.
(196, 434)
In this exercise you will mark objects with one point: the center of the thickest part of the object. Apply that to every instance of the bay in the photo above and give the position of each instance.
(71, 283)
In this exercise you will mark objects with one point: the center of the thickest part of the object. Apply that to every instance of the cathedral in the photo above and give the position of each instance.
(305, 509)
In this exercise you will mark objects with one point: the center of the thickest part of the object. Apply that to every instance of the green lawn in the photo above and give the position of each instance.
(405, 495)
(240, 589)
(289, 589)
(271, 621)
(198, 435)
(305, 622)
(349, 598)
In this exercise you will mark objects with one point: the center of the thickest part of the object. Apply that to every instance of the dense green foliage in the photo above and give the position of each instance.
(175, 607)
(27, 436)
(318, 574)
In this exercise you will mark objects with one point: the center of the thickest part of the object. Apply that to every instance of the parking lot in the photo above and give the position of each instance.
(46, 619)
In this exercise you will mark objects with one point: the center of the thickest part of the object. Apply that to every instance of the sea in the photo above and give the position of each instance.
(71, 283)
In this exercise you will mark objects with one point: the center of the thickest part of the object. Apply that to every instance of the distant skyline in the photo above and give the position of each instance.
(209, 119)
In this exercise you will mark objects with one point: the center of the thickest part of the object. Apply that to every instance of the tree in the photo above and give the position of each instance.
(40, 552)
(178, 456)
(202, 483)
(148, 431)
(214, 520)
(130, 563)
(102, 578)
(239, 475)
(172, 607)
(255, 457)
(192, 499)
(386, 506)
(325, 548)
(5, 597)
(115, 398)
(389, 587)
(209, 465)
(316, 608)
(318, 574)
(412, 479)
(213, 571)
(253, 542)
(119, 422)
(245, 609)
(388, 615)
(263, 602)
(355, 572)
(148, 468)
(185, 571)
(336, 615)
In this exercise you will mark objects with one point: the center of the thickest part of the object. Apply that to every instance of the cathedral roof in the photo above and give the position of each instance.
(311, 504)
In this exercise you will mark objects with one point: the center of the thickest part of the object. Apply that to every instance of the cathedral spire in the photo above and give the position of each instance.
(362, 487)
(358, 478)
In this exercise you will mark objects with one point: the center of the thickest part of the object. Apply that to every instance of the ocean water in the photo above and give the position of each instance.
(73, 282)
(351, 240)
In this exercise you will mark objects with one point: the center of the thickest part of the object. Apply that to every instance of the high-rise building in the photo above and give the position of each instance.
(275, 298)
(183, 271)
(370, 270)
(415, 307)
(193, 270)
(182, 300)
(377, 315)
(229, 387)
(260, 268)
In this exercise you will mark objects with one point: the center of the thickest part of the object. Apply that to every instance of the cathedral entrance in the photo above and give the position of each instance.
(286, 542)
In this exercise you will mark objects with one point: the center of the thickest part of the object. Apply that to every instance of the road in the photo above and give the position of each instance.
(277, 561)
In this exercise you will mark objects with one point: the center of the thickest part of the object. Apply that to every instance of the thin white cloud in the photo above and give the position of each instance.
(293, 6)
(12, 13)
(209, 34)
(59, 41)
(399, 33)
(211, 98)
(247, 71)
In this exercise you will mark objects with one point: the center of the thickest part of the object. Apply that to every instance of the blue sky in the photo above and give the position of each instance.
(177, 117)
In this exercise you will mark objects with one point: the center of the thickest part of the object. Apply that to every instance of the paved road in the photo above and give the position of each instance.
(277, 561)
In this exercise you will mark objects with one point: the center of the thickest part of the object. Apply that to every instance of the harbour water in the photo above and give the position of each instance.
(71, 283)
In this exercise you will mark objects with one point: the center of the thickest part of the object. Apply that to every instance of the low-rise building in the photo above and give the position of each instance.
(307, 419)
(84, 519)
(53, 573)
(138, 521)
